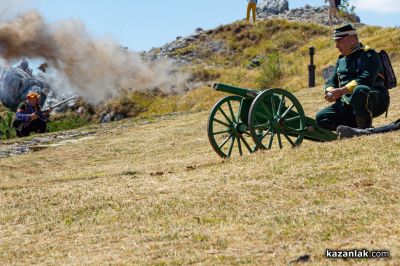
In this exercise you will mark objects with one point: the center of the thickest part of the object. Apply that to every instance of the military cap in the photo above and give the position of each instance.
(344, 31)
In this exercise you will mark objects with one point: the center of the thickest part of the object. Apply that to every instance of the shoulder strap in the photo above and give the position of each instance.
(359, 64)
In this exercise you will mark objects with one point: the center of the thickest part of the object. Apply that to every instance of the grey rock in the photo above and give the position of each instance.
(192, 38)
(81, 110)
(105, 118)
(199, 30)
(16, 82)
(177, 45)
(215, 46)
(305, 14)
(31, 145)
(118, 117)
(266, 9)
(256, 62)
(273, 6)
(108, 117)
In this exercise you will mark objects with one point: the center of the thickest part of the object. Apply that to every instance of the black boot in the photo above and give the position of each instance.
(364, 122)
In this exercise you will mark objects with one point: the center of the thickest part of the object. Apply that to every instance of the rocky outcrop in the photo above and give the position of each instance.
(267, 9)
(169, 49)
(204, 47)
(280, 9)
(273, 7)
(201, 46)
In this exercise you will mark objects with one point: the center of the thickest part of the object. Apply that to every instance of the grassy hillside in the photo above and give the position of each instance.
(153, 192)
(283, 44)
(286, 40)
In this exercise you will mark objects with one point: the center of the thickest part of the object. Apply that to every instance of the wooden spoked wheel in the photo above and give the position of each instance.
(227, 133)
(276, 118)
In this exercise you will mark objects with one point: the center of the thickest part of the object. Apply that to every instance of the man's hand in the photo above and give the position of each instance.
(48, 111)
(34, 116)
(333, 94)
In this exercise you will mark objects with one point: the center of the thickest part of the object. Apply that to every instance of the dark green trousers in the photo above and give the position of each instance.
(364, 102)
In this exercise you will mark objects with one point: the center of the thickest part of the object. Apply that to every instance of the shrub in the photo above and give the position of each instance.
(270, 71)
(70, 122)
(6, 129)
(347, 11)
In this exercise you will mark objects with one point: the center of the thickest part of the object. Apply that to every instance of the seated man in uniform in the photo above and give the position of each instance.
(356, 88)
(29, 117)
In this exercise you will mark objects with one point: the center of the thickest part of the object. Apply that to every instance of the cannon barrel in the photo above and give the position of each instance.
(245, 93)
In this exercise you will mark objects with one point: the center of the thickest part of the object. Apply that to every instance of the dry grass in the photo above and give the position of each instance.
(291, 40)
(155, 193)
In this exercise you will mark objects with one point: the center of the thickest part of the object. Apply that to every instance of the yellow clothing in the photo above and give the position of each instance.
(251, 7)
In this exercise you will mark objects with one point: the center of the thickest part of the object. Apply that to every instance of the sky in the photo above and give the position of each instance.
(141, 25)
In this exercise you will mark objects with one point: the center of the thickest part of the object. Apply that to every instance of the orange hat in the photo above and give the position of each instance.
(33, 95)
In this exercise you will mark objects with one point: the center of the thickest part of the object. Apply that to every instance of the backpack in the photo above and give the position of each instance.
(390, 77)
(388, 72)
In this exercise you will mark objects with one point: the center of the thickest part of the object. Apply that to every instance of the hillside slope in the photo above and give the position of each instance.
(223, 54)
(281, 46)
(153, 192)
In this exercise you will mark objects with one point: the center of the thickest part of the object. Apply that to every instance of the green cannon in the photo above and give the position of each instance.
(251, 120)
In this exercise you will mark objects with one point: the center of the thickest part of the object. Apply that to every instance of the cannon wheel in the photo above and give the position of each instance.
(276, 116)
(226, 132)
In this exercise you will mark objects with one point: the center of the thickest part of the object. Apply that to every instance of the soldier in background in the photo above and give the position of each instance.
(251, 7)
(29, 117)
(333, 10)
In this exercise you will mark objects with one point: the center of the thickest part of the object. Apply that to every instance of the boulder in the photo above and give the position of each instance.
(105, 118)
(277, 9)
(273, 6)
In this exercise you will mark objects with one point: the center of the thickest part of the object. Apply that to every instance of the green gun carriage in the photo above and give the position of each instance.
(251, 120)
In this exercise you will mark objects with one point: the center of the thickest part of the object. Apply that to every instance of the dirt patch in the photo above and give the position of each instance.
(43, 142)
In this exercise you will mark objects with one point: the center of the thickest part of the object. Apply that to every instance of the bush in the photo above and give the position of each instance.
(70, 122)
(6, 129)
(271, 71)
(347, 11)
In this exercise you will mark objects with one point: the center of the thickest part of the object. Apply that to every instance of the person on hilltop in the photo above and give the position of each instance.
(357, 86)
(30, 118)
(251, 7)
(333, 10)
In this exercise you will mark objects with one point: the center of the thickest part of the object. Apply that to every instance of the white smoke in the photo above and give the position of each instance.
(94, 68)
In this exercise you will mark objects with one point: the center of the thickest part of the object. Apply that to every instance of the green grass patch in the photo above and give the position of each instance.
(70, 122)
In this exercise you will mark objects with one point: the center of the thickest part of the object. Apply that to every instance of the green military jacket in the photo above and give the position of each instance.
(362, 67)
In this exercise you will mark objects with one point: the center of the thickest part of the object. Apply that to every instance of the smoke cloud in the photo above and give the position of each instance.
(94, 68)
